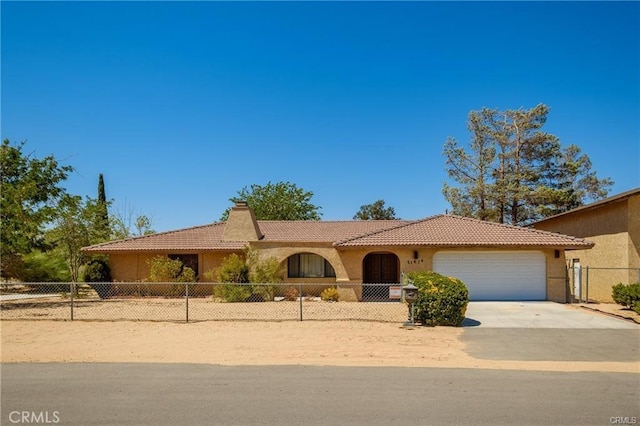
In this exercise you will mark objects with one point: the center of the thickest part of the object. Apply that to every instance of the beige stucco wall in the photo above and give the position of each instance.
(557, 290)
(129, 267)
(132, 267)
(348, 264)
(606, 226)
(633, 213)
(615, 230)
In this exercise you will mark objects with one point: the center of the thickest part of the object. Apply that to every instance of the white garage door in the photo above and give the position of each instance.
(496, 275)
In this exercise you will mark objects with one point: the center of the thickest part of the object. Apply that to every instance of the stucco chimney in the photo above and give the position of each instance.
(241, 224)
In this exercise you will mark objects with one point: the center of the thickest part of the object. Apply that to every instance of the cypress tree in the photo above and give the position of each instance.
(103, 213)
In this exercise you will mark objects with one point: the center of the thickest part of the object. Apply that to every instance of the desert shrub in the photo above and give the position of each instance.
(97, 271)
(233, 269)
(250, 268)
(330, 294)
(266, 272)
(263, 292)
(232, 293)
(626, 295)
(263, 271)
(164, 270)
(441, 300)
(291, 293)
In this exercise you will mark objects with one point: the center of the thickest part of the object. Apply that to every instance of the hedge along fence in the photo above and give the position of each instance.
(627, 295)
(195, 302)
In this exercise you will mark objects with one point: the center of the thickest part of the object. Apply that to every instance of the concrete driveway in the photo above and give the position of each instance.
(548, 331)
(536, 315)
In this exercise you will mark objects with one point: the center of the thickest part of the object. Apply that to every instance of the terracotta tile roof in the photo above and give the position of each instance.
(442, 230)
(209, 237)
(322, 231)
(456, 231)
(198, 238)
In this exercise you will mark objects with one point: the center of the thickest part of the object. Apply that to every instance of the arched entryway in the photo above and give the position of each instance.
(379, 268)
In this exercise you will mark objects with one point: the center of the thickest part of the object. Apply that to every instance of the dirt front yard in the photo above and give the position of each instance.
(265, 333)
(337, 343)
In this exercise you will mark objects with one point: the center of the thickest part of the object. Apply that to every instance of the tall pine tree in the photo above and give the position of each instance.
(514, 172)
(102, 220)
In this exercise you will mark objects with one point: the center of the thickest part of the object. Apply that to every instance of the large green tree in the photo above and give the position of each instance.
(74, 228)
(514, 172)
(277, 201)
(375, 211)
(30, 194)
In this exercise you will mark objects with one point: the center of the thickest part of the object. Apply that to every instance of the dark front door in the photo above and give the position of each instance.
(379, 268)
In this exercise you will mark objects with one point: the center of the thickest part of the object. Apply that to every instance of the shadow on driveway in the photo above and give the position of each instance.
(552, 344)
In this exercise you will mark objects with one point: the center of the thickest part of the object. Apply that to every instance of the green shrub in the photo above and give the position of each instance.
(97, 271)
(263, 292)
(263, 271)
(164, 270)
(636, 308)
(330, 294)
(441, 300)
(233, 269)
(266, 272)
(232, 293)
(39, 266)
(626, 295)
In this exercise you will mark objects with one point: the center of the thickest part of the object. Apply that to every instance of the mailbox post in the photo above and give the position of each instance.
(410, 292)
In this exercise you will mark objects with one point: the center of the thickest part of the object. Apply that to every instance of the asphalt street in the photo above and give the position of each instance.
(188, 394)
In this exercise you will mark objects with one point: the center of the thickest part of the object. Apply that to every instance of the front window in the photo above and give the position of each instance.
(309, 265)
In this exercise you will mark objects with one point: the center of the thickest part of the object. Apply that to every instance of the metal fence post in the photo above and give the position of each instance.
(300, 298)
(587, 286)
(186, 292)
(72, 290)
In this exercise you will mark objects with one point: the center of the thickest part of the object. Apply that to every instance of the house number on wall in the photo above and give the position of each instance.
(414, 261)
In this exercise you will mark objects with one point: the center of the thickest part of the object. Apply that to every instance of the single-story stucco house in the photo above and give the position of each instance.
(497, 262)
(613, 224)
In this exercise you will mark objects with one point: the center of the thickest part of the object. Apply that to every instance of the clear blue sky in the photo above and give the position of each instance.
(180, 105)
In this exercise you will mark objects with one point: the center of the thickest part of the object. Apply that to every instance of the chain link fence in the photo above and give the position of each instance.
(595, 284)
(189, 302)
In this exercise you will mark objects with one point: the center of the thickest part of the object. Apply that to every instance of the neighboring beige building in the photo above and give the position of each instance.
(613, 224)
(497, 262)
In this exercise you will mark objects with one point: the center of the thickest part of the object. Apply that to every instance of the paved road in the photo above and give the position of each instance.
(187, 394)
